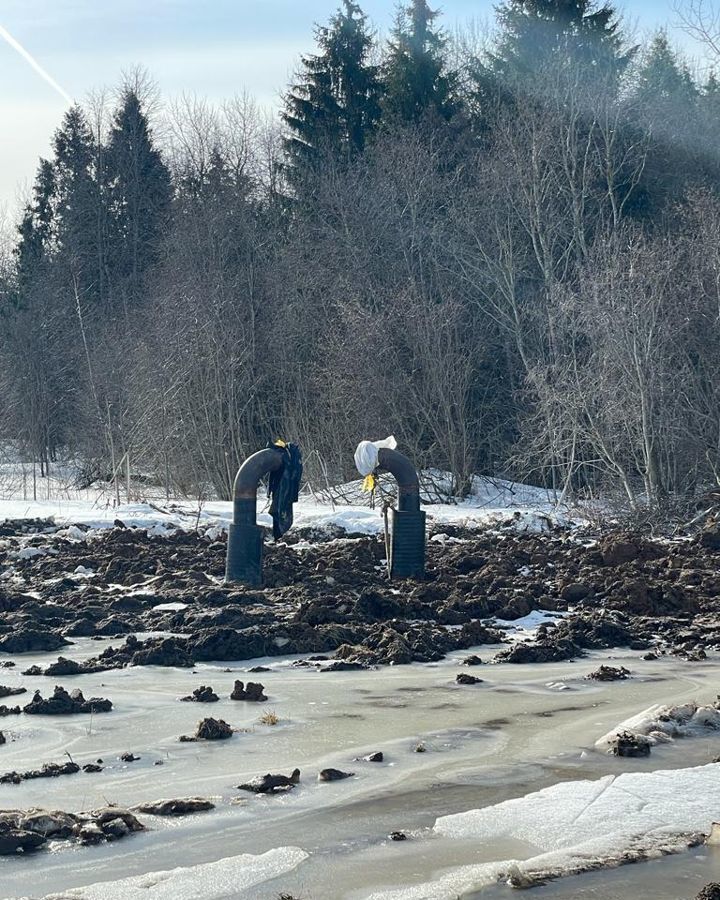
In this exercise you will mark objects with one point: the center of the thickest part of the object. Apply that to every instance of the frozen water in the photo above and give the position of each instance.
(516, 736)
(231, 877)
(576, 824)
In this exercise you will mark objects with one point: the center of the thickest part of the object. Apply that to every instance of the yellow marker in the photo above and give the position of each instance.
(368, 484)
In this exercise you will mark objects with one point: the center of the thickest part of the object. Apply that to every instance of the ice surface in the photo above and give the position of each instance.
(328, 720)
(577, 823)
(230, 877)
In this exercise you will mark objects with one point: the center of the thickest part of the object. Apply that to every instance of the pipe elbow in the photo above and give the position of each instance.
(252, 470)
(406, 476)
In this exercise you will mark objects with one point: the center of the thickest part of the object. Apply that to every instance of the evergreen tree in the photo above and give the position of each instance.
(548, 45)
(664, 84)
(334, 106)
(78, 200)
(38, 323)
(140, 193)
(416, 78)
(36, 227)
(666, 104)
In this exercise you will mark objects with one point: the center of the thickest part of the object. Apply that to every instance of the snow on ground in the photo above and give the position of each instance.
(230, 877)
(527, 626)
(528, 509)
(574, 826)
(660, 724)
(24, 494)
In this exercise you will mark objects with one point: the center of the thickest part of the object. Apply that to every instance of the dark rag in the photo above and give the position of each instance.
(283, 488)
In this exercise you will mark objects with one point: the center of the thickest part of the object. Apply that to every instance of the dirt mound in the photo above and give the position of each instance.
(63, 703)
(334, 598)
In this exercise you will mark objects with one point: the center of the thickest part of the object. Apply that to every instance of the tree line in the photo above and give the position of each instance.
(506, 252)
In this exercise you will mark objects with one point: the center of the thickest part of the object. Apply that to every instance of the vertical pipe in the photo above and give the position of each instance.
(245, 537)
(407, 553)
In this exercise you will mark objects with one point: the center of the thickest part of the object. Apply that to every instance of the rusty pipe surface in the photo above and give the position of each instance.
(247, 480)
(406, 476)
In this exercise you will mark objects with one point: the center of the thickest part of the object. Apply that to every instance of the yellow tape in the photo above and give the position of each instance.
(368, 484)
(279, 443)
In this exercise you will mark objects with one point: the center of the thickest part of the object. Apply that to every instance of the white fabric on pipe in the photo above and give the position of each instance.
(366, 455)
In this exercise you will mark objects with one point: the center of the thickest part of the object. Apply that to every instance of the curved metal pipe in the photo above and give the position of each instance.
(406, 476)
(245, 537)
(247, 481)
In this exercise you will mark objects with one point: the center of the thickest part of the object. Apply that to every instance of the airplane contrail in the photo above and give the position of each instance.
(36, 65)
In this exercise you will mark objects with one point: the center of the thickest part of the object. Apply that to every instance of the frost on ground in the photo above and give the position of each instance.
(230, 877)
(660, 724)
(578, 826)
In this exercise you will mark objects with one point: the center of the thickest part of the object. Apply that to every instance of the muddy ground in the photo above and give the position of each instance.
(333, 597)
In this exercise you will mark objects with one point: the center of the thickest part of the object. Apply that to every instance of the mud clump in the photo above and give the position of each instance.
(209, 730)
(710, 538)
(333, 598)
(203, 694)
(334, 775)
(10, 691)
(376, 757)
(609, 673)
(465, 678)
(64, 704)
(64, 667)
(49, 770)
(342, 665)
(15, 840)
(31, 641)
(271, 784)
(22, 832)
(540, 652)
(630, 745)
(252, 692)
(710, 892)
(182, 807)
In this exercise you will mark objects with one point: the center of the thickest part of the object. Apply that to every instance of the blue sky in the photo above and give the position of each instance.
(214, 48)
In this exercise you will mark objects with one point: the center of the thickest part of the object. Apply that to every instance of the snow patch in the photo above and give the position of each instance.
(527, 626)
(30, 552)
(227, 878)
(578, 825)
(660, 724)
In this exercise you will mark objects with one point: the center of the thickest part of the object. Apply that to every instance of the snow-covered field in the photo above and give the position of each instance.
(491, 502)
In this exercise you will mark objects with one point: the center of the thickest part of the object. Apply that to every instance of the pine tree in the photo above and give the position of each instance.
(544, 45)
(36, 227)
(78, 198)
(666, 103)
(42, 386)
(334, 107)
(140, 192)
(663, 81)
(416, 78)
